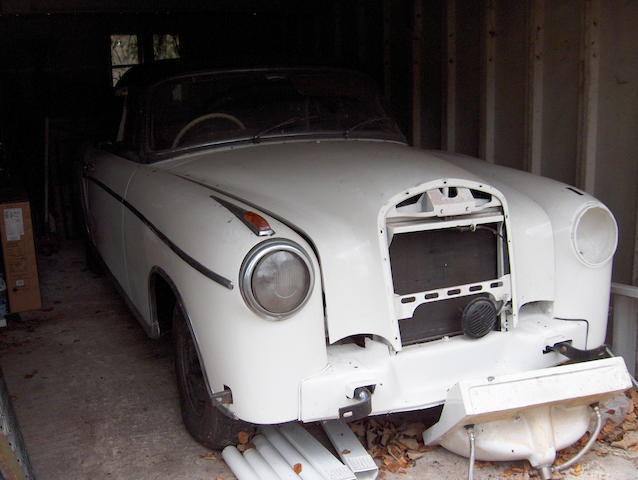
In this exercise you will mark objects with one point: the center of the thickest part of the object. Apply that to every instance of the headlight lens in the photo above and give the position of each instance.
(595, 235)
(276, 278)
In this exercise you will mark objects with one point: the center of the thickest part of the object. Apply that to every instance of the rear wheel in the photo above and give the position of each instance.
(203, 420)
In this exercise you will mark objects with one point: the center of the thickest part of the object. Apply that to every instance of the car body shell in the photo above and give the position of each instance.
(332, 197)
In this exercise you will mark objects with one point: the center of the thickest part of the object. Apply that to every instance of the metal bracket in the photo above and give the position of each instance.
(358, 410)
(224, 397)
(565, 348)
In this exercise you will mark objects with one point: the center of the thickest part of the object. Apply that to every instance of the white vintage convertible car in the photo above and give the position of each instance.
(311, 265)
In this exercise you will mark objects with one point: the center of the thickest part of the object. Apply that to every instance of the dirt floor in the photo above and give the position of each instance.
(96, 399)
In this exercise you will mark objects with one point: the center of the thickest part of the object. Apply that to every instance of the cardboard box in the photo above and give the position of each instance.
(18, 252)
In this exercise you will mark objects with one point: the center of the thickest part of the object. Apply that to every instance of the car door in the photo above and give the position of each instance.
(106, 178)
(107, 173)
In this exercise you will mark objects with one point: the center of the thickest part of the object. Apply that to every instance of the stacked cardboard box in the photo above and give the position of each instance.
(18, 252)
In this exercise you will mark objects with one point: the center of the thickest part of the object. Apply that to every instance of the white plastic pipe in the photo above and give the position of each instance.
(290, 453)
(238, 464)
(274, 458)
(259, 465)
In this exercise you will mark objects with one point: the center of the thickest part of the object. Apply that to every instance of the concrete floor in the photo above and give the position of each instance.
(96, 399)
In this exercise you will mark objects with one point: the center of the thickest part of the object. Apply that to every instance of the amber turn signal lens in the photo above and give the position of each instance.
(257, 221)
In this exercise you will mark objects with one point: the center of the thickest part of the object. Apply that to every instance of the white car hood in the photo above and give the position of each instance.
(332, 192)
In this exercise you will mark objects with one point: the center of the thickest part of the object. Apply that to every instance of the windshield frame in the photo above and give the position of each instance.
(153, 155)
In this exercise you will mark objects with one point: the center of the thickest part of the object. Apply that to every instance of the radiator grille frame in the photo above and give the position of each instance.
(417, 324)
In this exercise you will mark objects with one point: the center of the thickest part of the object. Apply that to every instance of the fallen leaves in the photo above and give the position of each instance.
(297, 468)
(629, 440)
(395, 447)
(244, 439)
(32, 374)
(577, 470)
(622, 434)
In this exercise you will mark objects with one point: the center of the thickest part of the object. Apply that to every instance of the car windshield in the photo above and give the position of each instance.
(253, 106)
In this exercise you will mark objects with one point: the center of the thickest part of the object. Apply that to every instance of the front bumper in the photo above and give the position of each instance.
(420, 376)
(529, 415)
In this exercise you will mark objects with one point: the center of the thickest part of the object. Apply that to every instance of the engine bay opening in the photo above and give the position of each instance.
(448, 249)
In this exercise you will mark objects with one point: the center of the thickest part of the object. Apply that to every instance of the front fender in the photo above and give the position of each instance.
(263, 362)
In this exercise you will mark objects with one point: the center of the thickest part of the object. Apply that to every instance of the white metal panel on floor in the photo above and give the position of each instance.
(350, 450)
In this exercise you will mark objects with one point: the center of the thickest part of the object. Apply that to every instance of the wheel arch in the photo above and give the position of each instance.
(164, 296)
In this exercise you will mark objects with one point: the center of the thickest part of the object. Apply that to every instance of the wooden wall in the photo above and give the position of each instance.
(558, 84)
(538, 85)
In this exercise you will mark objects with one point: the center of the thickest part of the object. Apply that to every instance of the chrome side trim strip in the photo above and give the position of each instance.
(178, 251)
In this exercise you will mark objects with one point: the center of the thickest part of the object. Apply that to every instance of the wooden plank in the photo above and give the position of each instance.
(387, 51)
(449, 121)
(488, 84)
(624, 290)
(588, 108)
(361, 32)
(625, 330)
(634, 276)
(535, 87)
(338, 31)
(417, 39)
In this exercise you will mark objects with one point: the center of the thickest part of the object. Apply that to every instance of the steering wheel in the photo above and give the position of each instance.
(203, 118)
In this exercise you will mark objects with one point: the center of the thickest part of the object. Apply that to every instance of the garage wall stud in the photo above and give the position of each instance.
(417, 38)
(387, 51)
(534, 130)
(449, 121)
(488, 98)
(590, 86)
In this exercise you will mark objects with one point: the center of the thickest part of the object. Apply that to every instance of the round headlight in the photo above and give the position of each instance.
(276, 278)
(595, 235)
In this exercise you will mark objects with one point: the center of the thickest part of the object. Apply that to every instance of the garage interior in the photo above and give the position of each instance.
(546, 87)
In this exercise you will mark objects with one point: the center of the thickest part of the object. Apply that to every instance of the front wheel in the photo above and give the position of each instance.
(202, 419)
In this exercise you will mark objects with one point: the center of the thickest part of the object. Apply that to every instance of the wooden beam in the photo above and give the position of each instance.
(417, 39)
(449, 120)
(634, 276)
(488, 84)
(590, 85)
(361, 33)
(625, 326)
(387, 51)
(338, 31)
(534, 120)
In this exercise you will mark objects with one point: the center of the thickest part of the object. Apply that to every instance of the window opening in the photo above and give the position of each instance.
(127, 51)
(165, 46)
(124, 54)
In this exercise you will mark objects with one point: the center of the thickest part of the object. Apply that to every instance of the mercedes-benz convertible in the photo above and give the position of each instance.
(311, 265)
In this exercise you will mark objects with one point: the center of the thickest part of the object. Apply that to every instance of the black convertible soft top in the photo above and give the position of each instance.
(144, 76)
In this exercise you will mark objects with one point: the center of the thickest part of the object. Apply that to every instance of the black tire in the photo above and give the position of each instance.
(202, 419)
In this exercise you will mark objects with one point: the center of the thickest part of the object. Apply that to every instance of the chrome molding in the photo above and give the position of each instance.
(248, 267)
(178, 251)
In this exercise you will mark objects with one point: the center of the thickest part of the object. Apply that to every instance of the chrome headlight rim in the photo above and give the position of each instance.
(578, 243)
(256, 254)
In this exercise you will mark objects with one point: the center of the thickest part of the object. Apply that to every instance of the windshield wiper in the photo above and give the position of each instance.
(290, 121)
(365, 122)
